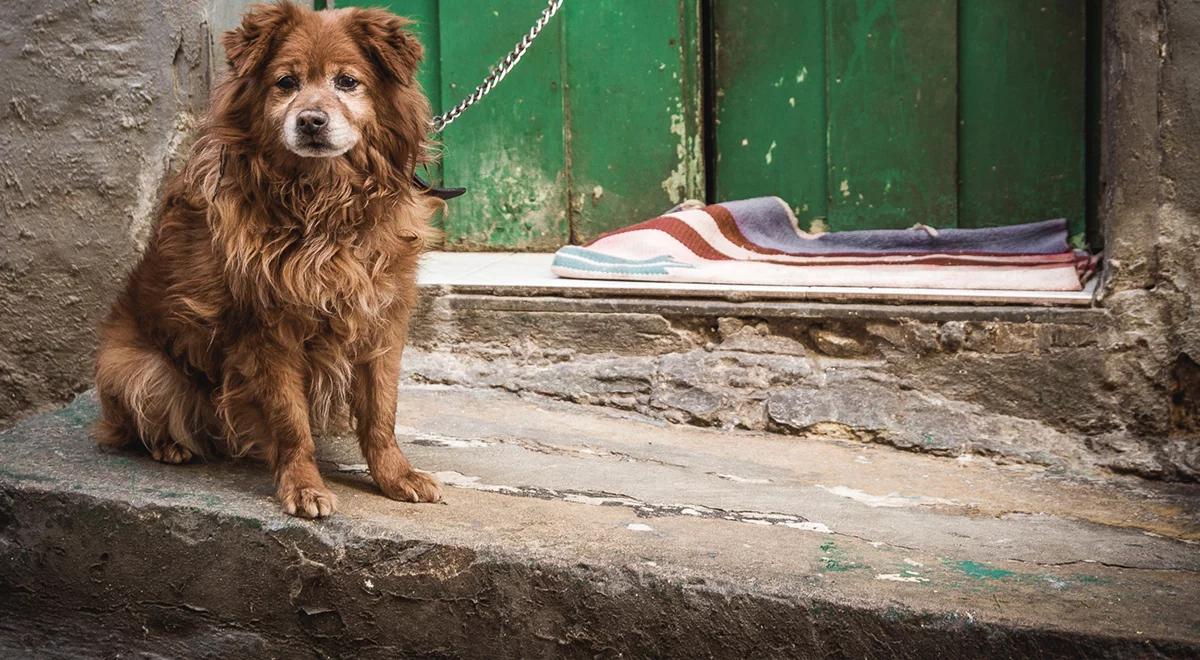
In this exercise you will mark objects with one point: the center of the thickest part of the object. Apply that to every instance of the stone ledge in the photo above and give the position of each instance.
(569, 532)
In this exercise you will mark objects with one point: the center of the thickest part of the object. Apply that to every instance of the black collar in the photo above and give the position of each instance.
(440, 193)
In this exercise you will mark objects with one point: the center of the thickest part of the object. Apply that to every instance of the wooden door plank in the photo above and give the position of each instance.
(1022, 112)
(892, 87)
(508, 150)
(770, 103)
(633, 110)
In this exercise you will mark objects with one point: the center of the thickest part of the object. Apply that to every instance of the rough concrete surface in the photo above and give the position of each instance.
(98, 99)
(1046, 386)
(576, 532)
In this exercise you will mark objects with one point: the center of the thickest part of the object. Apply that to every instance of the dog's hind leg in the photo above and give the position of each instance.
(143, 396)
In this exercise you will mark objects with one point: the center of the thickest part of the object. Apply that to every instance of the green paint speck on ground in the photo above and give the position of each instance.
(981, 571)
(834, 558)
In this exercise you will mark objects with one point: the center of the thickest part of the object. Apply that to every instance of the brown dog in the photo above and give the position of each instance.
(277, 286)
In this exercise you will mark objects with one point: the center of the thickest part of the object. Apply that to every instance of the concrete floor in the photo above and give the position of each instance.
(649, 535)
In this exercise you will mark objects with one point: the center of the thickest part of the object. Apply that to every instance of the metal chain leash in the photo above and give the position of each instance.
(501, 70)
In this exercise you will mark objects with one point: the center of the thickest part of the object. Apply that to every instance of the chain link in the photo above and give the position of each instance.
(501, 70)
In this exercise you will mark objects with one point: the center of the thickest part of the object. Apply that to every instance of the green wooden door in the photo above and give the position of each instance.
(860, 113)
(598, 127)
(886, 113)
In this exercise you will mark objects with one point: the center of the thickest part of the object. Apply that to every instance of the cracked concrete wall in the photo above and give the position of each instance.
(99, 99)
(1150, 203)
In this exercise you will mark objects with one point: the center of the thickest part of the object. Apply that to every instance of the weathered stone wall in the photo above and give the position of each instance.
(1150, 168)
(97, 99)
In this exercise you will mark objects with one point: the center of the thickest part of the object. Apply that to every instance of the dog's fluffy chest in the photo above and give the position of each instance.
(344, 282)
(334, 277)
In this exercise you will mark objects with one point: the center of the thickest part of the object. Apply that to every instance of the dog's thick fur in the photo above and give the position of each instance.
(276, 288)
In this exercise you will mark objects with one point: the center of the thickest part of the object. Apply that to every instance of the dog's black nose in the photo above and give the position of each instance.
(310, 122)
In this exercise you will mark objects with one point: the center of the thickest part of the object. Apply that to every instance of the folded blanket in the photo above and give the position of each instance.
(758, 241)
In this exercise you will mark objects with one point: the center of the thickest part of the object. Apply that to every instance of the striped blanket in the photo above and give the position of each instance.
(758, 241)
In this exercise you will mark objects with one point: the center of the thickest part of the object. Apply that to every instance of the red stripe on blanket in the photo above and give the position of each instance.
(685, 235)
(678, 230)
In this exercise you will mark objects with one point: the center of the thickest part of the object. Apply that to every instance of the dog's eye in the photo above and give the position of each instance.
(345, 82)
(287, 83)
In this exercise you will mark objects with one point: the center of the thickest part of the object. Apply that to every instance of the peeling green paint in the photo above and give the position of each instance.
(770, 103)
(687, 178)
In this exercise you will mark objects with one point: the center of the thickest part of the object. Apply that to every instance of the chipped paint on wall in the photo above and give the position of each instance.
(521, 204)
(689, 167)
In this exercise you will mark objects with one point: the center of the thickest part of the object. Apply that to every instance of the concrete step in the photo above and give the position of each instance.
(581, 532)
(1028, 380)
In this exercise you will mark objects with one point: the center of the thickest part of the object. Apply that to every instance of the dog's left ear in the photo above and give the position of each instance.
(387, 41)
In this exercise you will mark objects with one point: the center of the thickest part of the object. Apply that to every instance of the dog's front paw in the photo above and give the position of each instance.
(307, 501)
(411, 486)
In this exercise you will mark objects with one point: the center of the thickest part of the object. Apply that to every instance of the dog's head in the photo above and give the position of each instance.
(322, 84)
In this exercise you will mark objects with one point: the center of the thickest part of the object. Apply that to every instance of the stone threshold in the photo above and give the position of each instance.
(528, 274)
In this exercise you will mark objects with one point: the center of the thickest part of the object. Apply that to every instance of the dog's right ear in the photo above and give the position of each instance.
(247, 46)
